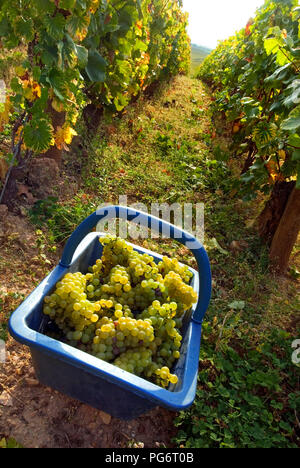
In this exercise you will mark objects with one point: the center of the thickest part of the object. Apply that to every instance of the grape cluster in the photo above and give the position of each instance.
(171, 264)
(126, 310)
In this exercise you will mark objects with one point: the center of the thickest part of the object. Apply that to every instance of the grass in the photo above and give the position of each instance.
(166, 149)
(9, 301)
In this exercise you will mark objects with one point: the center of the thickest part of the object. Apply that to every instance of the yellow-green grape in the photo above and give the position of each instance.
(171, 264)
(179, 291)
(115, 252)
(164, 377)
(136, 361)
(126, 310)
(159, 313)
(118, 282)
(134, 332)
(68, 291)
(142, 267)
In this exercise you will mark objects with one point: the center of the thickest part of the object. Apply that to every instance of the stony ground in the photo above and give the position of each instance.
(39, 417)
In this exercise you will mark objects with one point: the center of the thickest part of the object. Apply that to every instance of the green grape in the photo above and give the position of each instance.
(135, 361)
(126, 310)
(167, 264)
(179, 291)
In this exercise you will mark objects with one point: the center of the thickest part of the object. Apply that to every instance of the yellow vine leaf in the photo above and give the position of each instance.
(82, 33)
(32, 90)
(4, 116)
(57, 105)
(20, 71)
(139, 28)
(94, 6)
(274, 174)
(64, 136)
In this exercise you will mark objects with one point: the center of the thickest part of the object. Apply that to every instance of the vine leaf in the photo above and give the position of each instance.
(55, 26)
(25, 29)
(67, 4)
(96, 67)
(293, 121)
(264, 133)
(82, 55)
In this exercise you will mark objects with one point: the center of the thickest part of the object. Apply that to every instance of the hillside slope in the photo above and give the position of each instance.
(198, 55)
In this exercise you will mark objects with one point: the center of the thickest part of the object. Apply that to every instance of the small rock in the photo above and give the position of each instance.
(32, 382)
(28, 414)
(43, 177)
(23, 211)
(6, 399)
(31, 372)
(19, 370)
(138, 445)
(14, 421)
(3, 212)
(106, 418)
(91, 426)
(24, 193)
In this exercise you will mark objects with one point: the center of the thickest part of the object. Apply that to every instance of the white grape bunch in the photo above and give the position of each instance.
(126, 310)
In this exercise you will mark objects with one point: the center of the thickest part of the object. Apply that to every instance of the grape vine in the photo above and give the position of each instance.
(256, 78)
(75, 52)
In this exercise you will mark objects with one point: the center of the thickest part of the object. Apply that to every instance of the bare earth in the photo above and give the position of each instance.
(39, 417)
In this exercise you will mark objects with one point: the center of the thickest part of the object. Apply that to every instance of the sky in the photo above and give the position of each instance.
(213, 20)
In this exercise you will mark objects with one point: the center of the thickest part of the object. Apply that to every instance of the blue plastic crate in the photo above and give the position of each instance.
(87, 378)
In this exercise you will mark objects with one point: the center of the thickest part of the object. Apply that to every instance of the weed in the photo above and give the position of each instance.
(61, 219)
(9, 443)
(246, 397)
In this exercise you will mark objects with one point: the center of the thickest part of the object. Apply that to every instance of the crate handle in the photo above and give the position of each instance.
(152, 222)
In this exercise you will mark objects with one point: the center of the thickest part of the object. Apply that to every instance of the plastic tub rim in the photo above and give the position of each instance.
(176, 400)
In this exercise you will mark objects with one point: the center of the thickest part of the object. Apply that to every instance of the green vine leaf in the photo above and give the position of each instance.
(96, 67)
(38, 135)
(25, 28)
(263, 133)
(55, 26)
(67, 4)
(292, 123)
